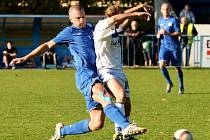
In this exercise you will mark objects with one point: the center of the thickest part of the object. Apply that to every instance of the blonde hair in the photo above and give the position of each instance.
(112, 10)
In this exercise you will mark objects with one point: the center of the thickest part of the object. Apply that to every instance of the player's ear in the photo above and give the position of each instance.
(70, 19)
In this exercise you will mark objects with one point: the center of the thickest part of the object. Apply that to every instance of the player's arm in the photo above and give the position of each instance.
(145, 6)
(39, 50)
(121, 17)
(158, 30)
(174, 34)
(164, 32)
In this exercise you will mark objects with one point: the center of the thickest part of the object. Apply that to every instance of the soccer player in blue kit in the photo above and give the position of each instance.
(170, 50)
(79, 38)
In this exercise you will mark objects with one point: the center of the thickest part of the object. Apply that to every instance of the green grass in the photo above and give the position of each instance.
(33, 101)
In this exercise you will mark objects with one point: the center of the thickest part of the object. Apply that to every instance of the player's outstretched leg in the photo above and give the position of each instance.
(80, 127)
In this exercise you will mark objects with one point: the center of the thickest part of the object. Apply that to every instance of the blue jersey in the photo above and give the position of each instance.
(81, 45)
(170, 25)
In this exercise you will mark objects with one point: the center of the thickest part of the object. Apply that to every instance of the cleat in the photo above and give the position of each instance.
(129, 138)
(132, 130)
(117, 136)
(181, 91)
(57, 135)
(168, 88)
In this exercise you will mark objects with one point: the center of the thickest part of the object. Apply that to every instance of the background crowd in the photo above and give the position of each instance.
(141, 46)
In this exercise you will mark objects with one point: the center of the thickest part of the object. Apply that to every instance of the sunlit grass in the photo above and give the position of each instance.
(33, 101)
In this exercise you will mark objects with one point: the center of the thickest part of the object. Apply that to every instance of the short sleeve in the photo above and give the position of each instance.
(63, 37)
(158, 24)
(102, 29)
(176, 25)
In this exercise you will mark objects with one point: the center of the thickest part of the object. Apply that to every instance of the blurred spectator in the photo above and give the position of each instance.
(188, 32)
(9, 53)
(68, 61)
(147, 46)
(186, 12)
(30, 63)
(49, 58)
(133, 39)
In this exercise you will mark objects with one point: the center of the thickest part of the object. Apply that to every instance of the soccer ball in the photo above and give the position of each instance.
(183, 134)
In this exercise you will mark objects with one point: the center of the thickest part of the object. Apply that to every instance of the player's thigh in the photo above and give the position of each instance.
(115, 87)
(164, 57)
(176, 58)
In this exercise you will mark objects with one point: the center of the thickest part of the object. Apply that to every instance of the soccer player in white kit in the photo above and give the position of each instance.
(108, 56)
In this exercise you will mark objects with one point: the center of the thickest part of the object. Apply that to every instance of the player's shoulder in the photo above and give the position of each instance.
(90, 26)
(102, 24)
(67, 29)
(174, 19)
(161, 19)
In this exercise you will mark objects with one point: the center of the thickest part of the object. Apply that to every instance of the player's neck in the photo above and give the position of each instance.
(166, 17)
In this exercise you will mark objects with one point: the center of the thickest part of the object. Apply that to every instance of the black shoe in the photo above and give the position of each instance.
(168, 88)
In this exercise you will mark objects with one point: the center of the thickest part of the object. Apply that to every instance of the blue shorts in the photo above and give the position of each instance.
(85, 79)
(174, 56)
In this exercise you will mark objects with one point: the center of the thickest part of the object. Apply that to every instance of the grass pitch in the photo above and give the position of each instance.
(33, 101)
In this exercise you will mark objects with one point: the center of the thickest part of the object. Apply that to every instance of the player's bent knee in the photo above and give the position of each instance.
(120, 97)
(105, 97)
(94, 126)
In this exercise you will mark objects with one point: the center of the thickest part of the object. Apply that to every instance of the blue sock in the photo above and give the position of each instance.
(116, 116)
(166, 75)
(180, 78)
(77, 128)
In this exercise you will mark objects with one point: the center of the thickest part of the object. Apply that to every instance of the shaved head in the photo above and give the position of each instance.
(76, 8)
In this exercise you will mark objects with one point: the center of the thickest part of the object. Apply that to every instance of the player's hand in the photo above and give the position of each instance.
(18, 60)
(147, 7)
(158, 35)
(144, 15)
(162, 31)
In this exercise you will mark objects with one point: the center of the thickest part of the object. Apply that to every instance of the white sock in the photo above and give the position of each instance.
(120, 106)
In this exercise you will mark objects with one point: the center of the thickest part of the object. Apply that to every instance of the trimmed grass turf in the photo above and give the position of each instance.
(33, 101)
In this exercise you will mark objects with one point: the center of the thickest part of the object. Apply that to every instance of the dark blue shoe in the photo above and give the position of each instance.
(181, 91)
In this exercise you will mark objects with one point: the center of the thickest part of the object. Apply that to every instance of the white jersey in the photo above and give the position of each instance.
(107, 46)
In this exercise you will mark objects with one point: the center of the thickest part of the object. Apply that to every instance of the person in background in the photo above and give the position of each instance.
(79, 38)
(170, 50)
(186, 12)
(134, 34)
(9, 53)
(30, 63)
(67, 62)
(49, 57)
(188, 33)
(147, 46)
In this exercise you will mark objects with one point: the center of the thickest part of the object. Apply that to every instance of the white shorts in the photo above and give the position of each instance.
(107, 74)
